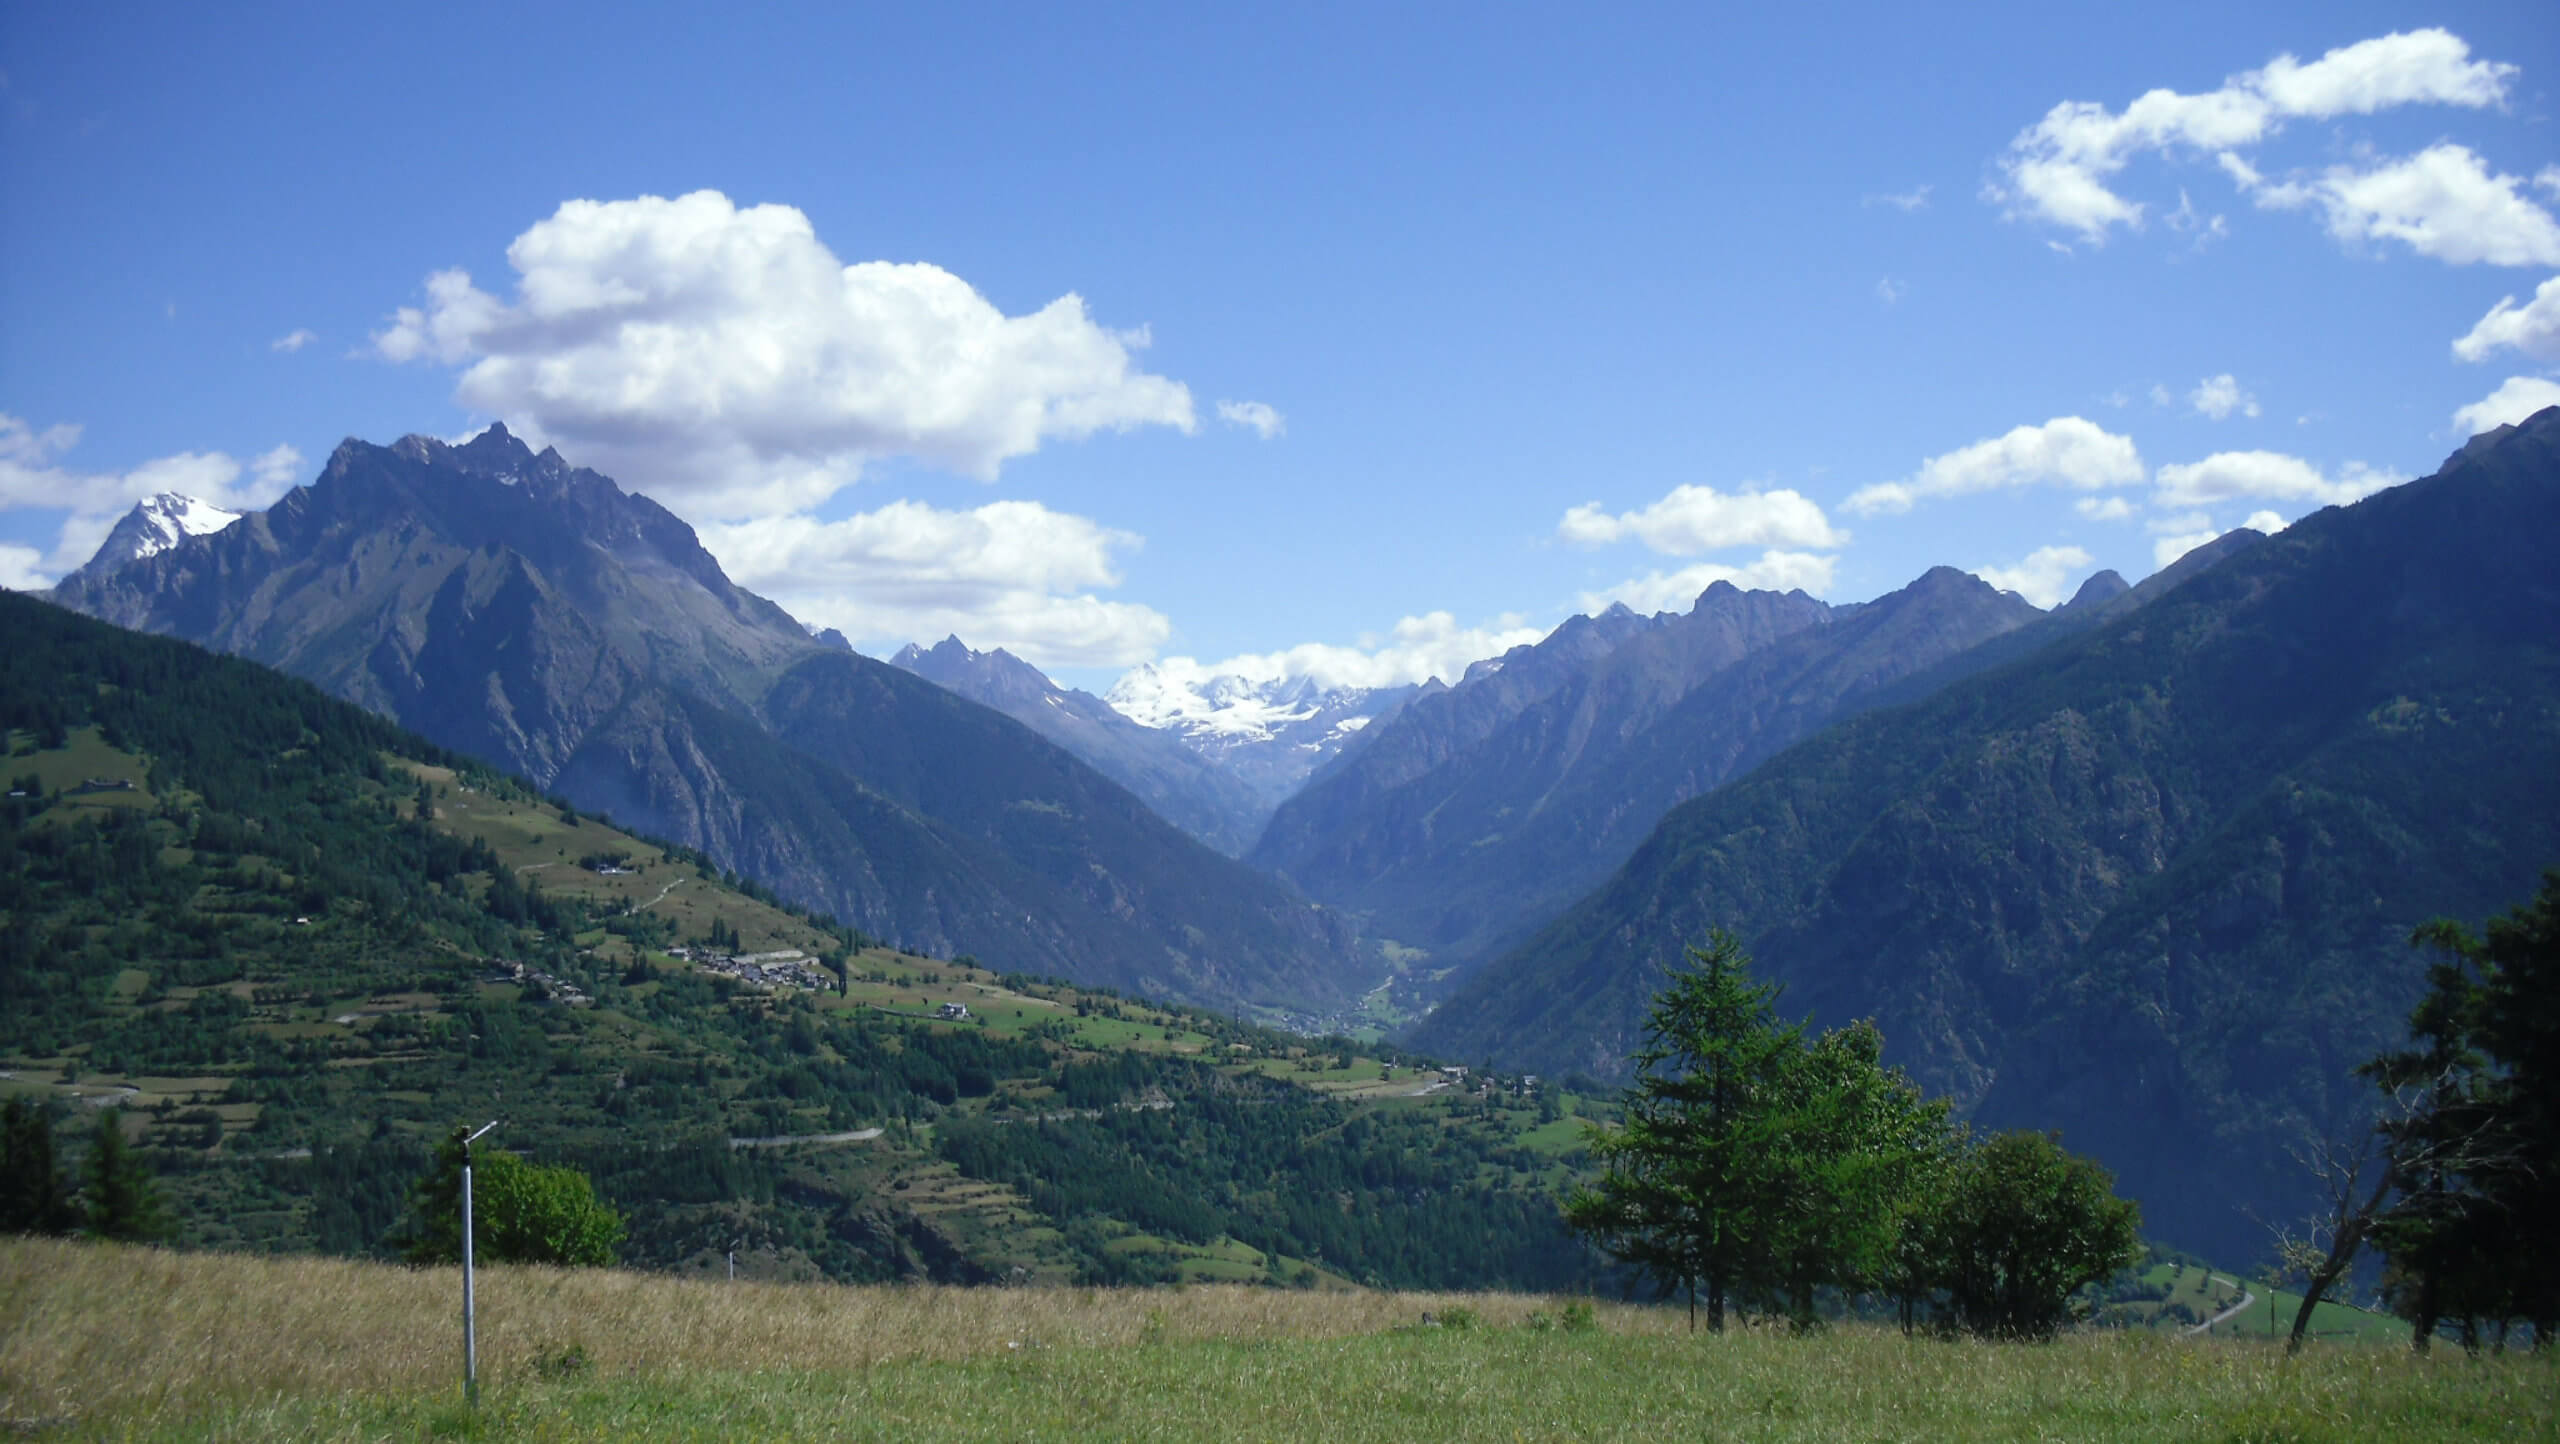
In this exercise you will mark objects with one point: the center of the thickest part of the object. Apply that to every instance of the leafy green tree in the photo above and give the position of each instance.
(2474, 1234)
(521, 1212)
(33, 1195)
(123, 1200)
(1861, 1146)
(1693, 1186)
(2023, 1228)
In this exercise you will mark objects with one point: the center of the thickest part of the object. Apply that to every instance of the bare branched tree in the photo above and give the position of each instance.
(2355, 1180)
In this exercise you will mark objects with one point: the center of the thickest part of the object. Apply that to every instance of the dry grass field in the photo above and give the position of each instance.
(135, 1343)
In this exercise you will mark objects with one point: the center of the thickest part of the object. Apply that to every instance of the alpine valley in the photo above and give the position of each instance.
(516, 608)
(2141, 868)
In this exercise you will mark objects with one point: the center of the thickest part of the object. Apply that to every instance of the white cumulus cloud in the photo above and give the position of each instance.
(1255, 416)
(2059, 169)
(2044, 576)
(22, 568)
(1010, 574)
(294, 340)
(1691, 519)
(2267, 475)
(2219, 396)
(2067, 450)
(2532, 328)
(2516, 398)
(2441, 202)
(1677, 591)
(2103, 508)
(726, 362)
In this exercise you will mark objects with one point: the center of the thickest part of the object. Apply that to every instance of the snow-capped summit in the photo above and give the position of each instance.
(154, 526)
(1271, 728)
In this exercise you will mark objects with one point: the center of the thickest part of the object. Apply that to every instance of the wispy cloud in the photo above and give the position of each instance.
(1916, 198)
(1255, 416)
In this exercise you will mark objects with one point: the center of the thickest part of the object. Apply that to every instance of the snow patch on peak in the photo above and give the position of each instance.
(155, 525)
(172, 518)
(1179, 693)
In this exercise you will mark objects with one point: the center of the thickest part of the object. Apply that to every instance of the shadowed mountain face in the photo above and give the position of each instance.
(515, 607)
(2152, 884)
(1185, 788)
(1481, 812)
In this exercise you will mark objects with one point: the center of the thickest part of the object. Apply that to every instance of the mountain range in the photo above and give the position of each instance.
(517, 608)
(2151, 882)
(1271, 729)
(1477, 814)
(2141, 867)
(1204, 797)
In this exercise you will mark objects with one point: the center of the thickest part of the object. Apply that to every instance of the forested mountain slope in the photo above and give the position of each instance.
(1460, 841)
(298, 944)
(522, 610)
(2153, 884)
(1183, 786)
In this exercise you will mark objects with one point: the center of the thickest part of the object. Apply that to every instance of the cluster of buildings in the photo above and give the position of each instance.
(508, 970)
(788, 968)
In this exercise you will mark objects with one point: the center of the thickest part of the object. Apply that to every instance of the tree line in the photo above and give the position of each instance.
(1758, 1163)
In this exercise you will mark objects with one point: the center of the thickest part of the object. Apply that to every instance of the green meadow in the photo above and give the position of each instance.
(115, 1343)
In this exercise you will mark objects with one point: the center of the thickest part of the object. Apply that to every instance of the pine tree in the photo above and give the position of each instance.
(1692, 1191)
(33, 1198)
(123, 1195)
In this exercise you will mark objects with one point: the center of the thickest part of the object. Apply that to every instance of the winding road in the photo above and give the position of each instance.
(2246, 1299)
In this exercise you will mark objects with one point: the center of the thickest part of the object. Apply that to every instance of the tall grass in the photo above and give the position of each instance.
(139, 1343)
(88, 1328)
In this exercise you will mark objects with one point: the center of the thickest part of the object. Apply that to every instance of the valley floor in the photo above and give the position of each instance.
(134, 1343)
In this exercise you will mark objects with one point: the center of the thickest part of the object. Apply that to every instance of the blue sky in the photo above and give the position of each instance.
(1539, 308)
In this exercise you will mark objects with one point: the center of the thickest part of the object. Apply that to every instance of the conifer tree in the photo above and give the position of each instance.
(33, 1196)
(122, 1194)
(1692, 1191)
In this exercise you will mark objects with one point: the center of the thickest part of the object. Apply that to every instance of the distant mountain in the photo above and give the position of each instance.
(1479, 814)
(1269, 732)
(155, 525)
(1184, 787)
(529, 612)
(2151, 884)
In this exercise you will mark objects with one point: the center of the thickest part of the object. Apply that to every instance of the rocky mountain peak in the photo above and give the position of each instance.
(2105, 587)
(155, 525)
(995, 677)
(495, 452)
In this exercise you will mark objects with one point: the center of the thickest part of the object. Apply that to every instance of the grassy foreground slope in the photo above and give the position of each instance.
(128, 1343)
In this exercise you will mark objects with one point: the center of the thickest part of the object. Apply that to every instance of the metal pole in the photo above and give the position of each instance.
(470, 1324)
(470, 1338)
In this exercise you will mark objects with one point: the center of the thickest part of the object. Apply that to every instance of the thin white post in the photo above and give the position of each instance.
(470, 1325)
